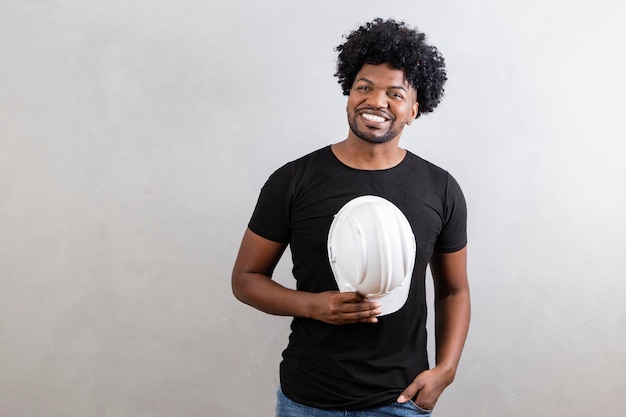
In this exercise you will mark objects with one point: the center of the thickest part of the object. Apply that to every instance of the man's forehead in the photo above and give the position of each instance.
(382, 73)
(385, 76)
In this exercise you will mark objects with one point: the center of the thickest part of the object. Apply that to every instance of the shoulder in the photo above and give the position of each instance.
(433, 178)
(300, 166)
(286, 178)
(428, 170)
(421, 164)
(312, 157)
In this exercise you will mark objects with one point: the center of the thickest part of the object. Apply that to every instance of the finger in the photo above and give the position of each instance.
(351, 297)
(363, 309)
(364, 316)
(424, 401)
(408, 393)
(356, 302)
(368, 320)
(368, 308)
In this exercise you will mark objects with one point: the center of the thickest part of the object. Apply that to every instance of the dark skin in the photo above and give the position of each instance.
(452, 317)
(380, 104)
(252, 284)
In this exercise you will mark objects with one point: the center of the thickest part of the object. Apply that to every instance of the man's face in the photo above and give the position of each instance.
(380, 104)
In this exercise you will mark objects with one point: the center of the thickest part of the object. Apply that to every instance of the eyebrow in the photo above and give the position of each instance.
(393, 87)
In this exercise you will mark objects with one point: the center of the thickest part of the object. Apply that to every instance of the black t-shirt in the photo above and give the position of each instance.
(356, 366)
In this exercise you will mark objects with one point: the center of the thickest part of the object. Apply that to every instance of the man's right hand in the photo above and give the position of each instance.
(336, 307)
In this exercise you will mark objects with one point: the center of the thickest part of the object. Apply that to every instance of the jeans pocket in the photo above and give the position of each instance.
(422, 411)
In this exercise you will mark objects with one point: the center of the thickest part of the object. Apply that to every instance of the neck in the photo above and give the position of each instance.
(358, 154)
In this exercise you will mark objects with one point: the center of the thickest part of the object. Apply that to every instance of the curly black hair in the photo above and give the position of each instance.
(387, 41)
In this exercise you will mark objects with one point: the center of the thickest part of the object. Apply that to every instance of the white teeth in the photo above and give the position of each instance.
(373, 117)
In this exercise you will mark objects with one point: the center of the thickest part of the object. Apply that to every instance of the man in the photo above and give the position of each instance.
(343, 355)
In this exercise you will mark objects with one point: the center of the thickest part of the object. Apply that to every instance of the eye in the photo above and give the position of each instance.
(395, 94)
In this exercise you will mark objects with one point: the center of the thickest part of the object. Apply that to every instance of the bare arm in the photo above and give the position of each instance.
(452, 317)
(253, 285)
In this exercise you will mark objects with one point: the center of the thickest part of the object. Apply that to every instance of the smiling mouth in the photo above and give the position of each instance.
(373, 117)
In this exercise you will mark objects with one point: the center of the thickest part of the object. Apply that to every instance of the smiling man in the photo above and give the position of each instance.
(352, 353)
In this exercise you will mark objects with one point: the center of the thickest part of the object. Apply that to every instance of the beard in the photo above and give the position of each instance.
(371, 135)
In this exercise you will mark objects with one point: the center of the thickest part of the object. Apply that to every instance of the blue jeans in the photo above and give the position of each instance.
(288, 408)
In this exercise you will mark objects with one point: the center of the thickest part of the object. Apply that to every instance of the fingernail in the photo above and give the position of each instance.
(401, 399)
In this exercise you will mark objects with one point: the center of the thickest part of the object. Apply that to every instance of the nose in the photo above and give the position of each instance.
(377, 98)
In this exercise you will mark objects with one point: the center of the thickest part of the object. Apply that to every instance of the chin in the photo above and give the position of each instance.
(371, 137)
(375, 139)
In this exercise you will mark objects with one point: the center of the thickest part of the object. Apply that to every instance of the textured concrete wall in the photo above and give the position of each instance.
(135, 136)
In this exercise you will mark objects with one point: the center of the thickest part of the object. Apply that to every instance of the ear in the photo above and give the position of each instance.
(414, 109)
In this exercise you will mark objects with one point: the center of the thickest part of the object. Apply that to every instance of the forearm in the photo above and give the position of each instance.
(331, 307)
(262, 293)
(452, 315)
(452, 318)
(252, 278)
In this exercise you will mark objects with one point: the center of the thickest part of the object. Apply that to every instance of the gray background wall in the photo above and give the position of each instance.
(134, 138)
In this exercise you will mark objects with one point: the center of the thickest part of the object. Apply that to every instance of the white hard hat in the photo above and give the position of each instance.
(371, 249)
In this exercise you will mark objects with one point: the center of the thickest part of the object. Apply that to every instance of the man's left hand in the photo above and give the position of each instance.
(428, 386)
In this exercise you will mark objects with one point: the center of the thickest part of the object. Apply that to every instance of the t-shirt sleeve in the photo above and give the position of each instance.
(270, 218)
(453, 236)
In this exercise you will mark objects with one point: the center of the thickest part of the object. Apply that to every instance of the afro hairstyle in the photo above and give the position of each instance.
(391, 42)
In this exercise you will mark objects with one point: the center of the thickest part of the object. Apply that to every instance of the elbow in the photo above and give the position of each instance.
(237, 286)
(244, 286)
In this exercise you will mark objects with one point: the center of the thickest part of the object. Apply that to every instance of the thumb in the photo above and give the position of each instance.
(407, 394)
(412, 390)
